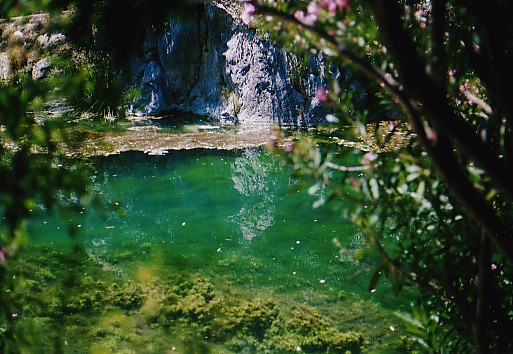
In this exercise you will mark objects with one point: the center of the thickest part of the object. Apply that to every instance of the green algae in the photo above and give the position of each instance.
(99, 312)
(309, 331)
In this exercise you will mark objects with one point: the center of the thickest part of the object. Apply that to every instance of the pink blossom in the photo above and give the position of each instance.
(420, 15)
(355, 182)
(313, 9)
(308, 19)
(2, 256)
(247, 15)
(333, 5)
(321, 94)
(430, 133)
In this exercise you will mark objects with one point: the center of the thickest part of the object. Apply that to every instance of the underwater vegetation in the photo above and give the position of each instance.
(81, 308)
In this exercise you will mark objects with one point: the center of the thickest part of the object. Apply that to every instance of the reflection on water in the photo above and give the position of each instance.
(210, 239)
(256, 180)
(197, 207)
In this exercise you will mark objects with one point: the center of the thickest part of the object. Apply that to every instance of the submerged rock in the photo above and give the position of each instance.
(151, 142)
(213, 65)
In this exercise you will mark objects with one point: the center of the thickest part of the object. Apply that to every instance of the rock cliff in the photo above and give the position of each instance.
(213, 65)
(208, 63)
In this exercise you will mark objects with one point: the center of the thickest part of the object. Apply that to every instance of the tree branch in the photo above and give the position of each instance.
(411, 69)
(446, 122)
(418, 84)
(439, 63)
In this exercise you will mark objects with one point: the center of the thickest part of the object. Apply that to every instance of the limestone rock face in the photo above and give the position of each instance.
(209, 64)
(179, 52)
(213, 65)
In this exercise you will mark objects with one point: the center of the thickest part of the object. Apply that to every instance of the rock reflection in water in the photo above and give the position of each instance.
(253, 176)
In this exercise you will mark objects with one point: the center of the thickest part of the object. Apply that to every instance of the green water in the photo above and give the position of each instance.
(234, 220)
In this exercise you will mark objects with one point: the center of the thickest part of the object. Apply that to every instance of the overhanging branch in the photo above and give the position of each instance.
(435, 104)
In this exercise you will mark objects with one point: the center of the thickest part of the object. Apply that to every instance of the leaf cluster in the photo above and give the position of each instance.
(437, 214)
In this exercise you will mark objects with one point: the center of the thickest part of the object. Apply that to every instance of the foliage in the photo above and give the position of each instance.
(436, 212)
(33, 177)
(97, 89)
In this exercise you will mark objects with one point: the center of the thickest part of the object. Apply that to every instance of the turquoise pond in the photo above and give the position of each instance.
(237, 218)
(203, 208)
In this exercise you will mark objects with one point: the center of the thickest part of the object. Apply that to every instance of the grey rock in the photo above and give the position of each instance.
(25, 44)
(51, 41)
(258, 71)
(40, 69)
(179, 51)
(214, 66)
(5, 66)
(154, 90)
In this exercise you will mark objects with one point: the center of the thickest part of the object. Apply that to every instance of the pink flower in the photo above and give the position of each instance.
(355, 182)
(2, 256)
(321, 94)
(247, 15)
(307, 20)
(430, 133)
(333, 5)
(313, 9)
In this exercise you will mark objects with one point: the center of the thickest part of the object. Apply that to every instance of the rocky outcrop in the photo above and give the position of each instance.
(26, 46)
(213, 65)
(209, 64)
